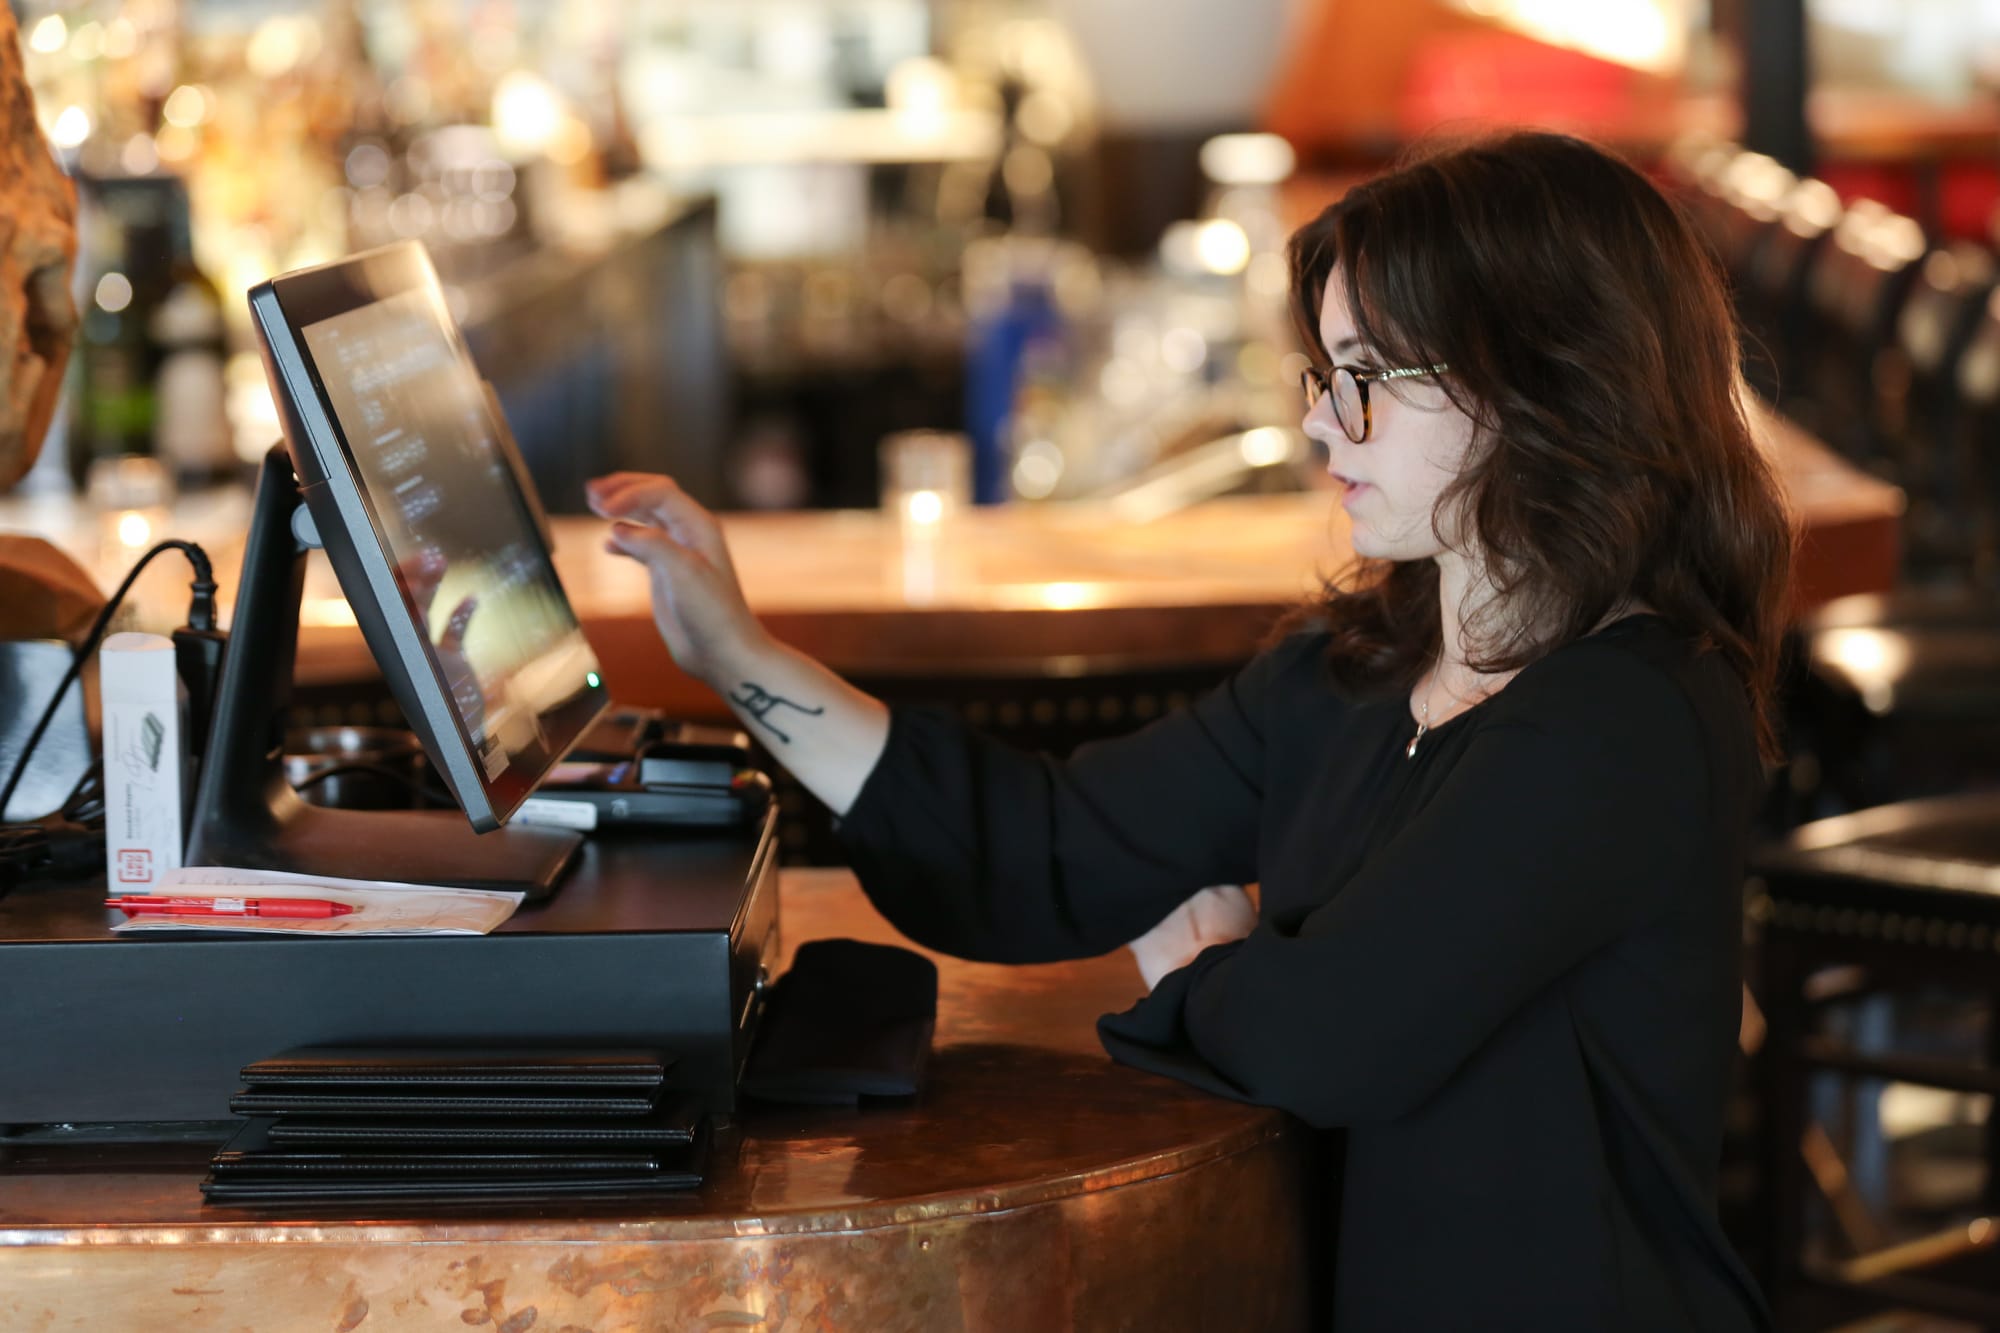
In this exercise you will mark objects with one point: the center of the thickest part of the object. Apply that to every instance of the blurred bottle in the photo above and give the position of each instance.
(191, 433)
(154, 340)
(1002, 338)
(1014, 319)
(127, 248)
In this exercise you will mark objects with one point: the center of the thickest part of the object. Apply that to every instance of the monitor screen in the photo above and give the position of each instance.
(435, 511)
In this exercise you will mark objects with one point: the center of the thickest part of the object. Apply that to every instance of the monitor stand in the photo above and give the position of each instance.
(246, 814)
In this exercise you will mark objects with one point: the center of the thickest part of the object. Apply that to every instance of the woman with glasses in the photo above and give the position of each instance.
(1495, 783)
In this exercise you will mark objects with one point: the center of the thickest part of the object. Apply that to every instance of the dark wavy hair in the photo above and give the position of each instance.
(1591, 341)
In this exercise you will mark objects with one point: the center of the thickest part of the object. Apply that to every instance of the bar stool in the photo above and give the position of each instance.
(1732, 197)
(1747, 202)
(1901, 692)
(1917, 411)
(1773, 295)
(1856, 290)
(1896, 898)
(1694, 167)
(1975, 440)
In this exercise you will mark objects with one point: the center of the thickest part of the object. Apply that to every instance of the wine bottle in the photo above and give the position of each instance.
(191, 432)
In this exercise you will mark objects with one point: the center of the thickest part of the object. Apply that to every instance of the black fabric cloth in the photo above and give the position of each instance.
(1505, 969)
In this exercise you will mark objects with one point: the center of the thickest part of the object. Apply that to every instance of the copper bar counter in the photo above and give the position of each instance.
(1033, 1186)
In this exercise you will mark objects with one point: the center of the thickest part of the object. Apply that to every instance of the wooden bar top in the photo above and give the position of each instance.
(1014, 584)
(1033, 1184)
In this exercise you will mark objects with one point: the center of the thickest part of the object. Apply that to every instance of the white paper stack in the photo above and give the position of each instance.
(381, 907)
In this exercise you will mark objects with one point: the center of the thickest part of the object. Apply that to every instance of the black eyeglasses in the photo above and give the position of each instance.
(1349, 387)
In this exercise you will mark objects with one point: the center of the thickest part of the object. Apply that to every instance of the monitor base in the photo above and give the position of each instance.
(413, 846)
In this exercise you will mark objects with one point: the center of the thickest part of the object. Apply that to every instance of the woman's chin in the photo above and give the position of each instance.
(1366, 546)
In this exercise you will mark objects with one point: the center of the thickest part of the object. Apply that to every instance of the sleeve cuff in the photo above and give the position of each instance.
(864, 813)
(1152, 1035)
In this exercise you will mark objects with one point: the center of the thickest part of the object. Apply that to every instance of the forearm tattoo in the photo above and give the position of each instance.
(759, 702)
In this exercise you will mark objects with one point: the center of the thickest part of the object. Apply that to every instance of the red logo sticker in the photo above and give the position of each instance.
(135, 865)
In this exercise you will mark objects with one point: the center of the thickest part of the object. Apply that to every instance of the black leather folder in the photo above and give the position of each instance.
(250, 1170)
(673, 1121)
(251, 1155)
(522, 1067)
(354, 1125)
(437, 1099)
(362, 1165)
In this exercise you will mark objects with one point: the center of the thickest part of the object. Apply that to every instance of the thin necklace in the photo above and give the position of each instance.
(1424, 713)
(1423, 725)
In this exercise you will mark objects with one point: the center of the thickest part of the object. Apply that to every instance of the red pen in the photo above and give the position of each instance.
(312, 908)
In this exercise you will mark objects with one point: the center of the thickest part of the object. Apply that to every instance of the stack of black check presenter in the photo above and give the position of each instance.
(347, 1125)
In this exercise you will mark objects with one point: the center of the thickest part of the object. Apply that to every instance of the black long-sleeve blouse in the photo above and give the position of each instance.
(1504, 969)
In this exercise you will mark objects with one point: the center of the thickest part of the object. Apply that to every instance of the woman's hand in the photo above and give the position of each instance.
(697, 601)
(1214, 916)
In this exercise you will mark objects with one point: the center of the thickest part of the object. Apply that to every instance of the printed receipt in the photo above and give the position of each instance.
(381, 907)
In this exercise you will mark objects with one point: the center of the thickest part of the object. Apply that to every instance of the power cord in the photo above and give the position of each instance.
(82, 813)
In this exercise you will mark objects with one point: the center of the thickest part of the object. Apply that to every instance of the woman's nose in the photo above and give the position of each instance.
(1318, 424)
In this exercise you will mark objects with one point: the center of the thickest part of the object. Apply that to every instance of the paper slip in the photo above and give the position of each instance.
(381, 907)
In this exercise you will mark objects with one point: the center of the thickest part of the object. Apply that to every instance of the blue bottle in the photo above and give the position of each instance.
(998, 346)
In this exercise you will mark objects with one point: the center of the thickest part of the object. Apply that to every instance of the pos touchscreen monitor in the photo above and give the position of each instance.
(411, 481)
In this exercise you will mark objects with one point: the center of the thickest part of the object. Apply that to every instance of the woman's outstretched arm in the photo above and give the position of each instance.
(827, 734)
(967, 845)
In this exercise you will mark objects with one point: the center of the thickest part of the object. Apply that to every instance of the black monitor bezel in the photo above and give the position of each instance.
(339, 504)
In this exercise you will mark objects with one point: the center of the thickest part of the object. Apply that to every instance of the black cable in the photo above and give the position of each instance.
(201, 615)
